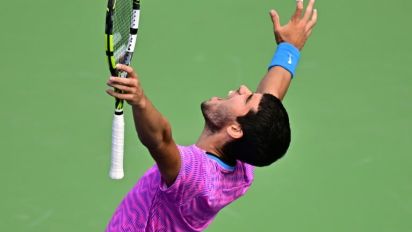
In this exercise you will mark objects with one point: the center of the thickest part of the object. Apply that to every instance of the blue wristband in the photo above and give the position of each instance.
(286, 56)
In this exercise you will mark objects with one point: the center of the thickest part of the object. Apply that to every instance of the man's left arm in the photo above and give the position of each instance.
(290, 39)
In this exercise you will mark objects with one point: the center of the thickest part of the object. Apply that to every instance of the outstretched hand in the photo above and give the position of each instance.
(299, 27)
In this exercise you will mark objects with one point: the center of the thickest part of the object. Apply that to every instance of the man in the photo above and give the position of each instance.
(188, 186)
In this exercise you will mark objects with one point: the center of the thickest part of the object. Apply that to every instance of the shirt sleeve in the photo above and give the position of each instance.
(191, 180)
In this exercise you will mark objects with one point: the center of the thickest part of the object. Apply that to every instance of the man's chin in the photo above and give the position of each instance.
(204, 107)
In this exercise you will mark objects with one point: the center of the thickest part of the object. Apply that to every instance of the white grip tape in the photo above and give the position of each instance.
(116, 167)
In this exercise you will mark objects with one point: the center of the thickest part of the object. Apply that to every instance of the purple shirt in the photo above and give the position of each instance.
(202, 188)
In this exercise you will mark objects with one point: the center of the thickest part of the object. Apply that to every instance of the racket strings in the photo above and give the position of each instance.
(121, 28)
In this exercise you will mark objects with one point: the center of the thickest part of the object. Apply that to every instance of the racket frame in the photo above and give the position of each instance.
(116, 167)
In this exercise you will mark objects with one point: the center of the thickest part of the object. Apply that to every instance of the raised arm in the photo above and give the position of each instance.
(153, 129)
(294, 33)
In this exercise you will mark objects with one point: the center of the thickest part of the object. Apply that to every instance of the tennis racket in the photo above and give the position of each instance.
(122, 22)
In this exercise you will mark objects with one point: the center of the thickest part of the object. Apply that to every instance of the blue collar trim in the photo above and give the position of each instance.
(221, 163)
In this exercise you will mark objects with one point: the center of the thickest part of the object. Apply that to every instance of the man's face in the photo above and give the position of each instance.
(219, 112)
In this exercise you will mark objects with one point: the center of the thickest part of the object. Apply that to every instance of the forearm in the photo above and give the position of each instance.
(152, 128)
(155, 133)
(275, 82)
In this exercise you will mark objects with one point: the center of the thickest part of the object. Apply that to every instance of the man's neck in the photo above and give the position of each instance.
(213, 142)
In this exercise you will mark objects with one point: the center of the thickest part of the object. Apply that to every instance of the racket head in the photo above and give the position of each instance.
(122, 22)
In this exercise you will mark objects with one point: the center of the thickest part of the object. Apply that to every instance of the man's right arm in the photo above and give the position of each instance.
(152, 127)
(295, 32)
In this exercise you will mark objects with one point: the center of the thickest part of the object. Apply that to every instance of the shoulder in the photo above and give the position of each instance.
(192, 177)
(246, 170)
(191, 152)
(193, 160)
(194, 163)
(238, 180)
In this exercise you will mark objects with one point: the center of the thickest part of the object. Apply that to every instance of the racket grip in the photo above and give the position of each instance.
(116, 167)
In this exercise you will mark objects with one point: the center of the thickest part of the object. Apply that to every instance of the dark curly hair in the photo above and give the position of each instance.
(266, 134)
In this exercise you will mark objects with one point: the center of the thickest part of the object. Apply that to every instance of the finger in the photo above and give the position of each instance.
(313, 20)
(118, 95)
(113, 93)
(122, 81)
(309, 10)
(130, 72)
(275, 19)
(299, 9)
(308, 33)
(124, 89)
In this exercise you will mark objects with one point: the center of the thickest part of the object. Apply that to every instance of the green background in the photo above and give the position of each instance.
(349, 165)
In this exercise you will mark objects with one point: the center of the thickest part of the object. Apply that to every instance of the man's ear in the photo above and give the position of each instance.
(234, 131)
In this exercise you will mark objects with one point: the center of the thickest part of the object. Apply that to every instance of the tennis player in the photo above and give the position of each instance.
(189, 185)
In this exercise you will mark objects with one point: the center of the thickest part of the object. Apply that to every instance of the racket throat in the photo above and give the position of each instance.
(118, 107)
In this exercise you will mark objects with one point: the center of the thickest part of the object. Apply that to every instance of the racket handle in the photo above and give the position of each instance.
(116, 167)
